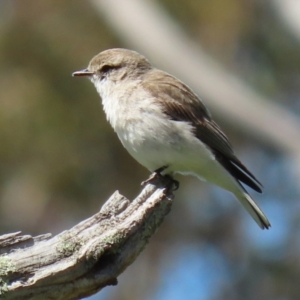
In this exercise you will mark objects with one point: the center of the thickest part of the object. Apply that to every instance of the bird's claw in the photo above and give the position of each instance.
(154, 176)
(168, 180)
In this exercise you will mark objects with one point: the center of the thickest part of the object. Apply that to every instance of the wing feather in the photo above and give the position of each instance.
(180, 103)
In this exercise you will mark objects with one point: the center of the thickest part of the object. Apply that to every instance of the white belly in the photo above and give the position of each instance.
(156, 141)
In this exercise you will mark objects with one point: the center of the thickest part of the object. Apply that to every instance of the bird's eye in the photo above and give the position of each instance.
(106, 68)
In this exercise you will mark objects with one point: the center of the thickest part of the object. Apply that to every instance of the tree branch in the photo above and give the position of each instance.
(81, 261)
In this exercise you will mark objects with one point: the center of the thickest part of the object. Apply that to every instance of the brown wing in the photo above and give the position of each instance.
(180, 103)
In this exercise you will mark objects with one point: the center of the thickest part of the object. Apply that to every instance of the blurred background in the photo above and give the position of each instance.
(60, 160)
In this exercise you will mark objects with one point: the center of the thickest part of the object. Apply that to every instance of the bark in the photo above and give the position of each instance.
(82, 260)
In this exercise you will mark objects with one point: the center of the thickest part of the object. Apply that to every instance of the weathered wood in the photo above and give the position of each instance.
(82, 260)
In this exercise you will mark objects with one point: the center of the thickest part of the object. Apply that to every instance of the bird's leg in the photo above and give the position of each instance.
(175, 183)
(157, 175)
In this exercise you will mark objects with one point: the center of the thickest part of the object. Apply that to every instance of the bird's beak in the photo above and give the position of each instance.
(84, 72)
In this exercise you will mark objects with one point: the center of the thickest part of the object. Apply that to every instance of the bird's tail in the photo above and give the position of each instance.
(253, 209)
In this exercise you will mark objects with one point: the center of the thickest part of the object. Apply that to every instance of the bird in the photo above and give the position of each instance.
(165, 126)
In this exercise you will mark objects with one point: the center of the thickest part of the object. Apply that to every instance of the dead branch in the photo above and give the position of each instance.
(82, 260)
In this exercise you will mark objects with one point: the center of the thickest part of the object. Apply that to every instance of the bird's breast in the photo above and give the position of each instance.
(146, 132)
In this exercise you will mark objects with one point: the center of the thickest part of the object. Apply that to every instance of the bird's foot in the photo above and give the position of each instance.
(175, 183)
(167, 179)
(154, 176)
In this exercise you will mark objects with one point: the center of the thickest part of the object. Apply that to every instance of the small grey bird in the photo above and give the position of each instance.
(165, 126)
